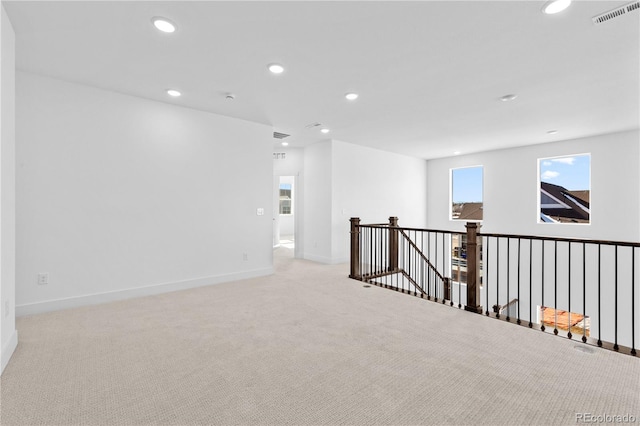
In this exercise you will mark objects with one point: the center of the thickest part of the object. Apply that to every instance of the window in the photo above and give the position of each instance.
(285, 198)
(565, 189)
(466, 193)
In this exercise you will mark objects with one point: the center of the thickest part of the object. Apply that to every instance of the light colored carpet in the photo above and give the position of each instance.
(304, 346)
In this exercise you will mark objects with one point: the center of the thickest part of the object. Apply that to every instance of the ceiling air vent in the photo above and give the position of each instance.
(279, 135)
(615, 13)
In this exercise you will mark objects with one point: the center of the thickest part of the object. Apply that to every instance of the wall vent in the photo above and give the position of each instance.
(615, 13)
(279, 135)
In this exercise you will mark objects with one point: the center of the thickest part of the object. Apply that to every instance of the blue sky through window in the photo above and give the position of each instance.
(571, 172)
(466, 185)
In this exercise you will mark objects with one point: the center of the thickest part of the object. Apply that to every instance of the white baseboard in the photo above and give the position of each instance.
(112, 296)
(8, 349)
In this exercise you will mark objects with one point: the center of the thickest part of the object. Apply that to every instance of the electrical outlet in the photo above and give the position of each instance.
(43, 278)
(260, 211)
(245, 256)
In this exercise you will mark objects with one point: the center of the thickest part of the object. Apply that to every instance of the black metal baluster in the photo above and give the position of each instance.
(519, 300)
(444, 266)
(555, 287)
(370, 244)
(569, 335)
(508, 277)
(416, 264)
(530, 283)
(411, 260)
(371, 249)
(459, 280)
(374, 251)
(364, 242)
(542, 327)
(360, 248)
(599, 280)
(615, 322)
(633, 300)
(435, 283)
(404, 259)
(390, 261)
(379, 268)
(429, 269)
(486, 276)
(422, 283)
(380, 251)
(497, 305)
(584, 293)
(419, 264)
(396, 259)
(386, 236)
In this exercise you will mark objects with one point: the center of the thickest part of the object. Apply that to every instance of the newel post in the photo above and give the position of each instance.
(473, 268)
(355, 248)
(393, 243)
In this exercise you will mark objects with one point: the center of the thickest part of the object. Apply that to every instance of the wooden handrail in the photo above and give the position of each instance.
(561, 239)
(411, 229)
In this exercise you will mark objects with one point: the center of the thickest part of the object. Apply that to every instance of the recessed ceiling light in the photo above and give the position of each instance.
(163, 24)
(456, 152)
(555, 6)
(173, 92)
(552, 132)
(325, 130)
(276, 68)
(351, 96)
(285, 143)
(507, 98)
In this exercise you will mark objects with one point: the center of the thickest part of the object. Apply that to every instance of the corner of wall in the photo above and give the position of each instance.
(8, 333)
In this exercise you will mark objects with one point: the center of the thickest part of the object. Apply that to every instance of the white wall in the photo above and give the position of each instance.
(9, 335)
(119, 196)
(291, 165)
(317, 220)
(511, 188)
(344, 180)
(374, 185)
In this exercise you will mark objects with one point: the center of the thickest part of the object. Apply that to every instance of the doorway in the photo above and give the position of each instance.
(284, 214)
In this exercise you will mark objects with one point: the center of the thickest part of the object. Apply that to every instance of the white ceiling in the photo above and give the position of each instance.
(429, 73)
